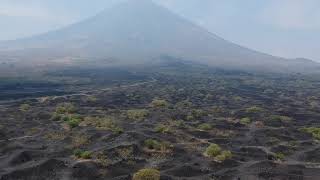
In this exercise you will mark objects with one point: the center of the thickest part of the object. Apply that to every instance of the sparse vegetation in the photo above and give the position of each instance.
(224, 156)
(56, 136)
(80, 140)
(105, 123)
(280, 156)
(159, 103)
(147, 174)
(245, 121)
(124, 128)
(160, 128)
(25, 107)
(205, 127)
(215, 151)
(81, 154)
(137, 114)
(65, 108)
(254, 109)
(314, 131)
(156, 145)
(284, 119)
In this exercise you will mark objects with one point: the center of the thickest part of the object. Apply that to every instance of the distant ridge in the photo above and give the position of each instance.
(139, 31)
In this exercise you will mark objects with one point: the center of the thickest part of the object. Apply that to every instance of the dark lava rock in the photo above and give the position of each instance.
(86, 170)
(187, 171)
(272, 170)
(23, 157)
(45, 170)
(311, 156)
(253, 153)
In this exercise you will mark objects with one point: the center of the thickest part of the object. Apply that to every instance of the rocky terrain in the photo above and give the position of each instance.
(183, 124)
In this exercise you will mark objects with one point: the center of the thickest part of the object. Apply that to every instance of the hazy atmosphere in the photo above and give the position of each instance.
(286, 28)
(159, 90)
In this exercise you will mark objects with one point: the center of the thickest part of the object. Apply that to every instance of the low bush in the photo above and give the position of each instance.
(82, 154)
(137, 114)
(280, 156)
(104, 123)
(79, 140)
(224, 156)
(25, 107)
(152, 144)
(245, 121)
(254, 109)
(215, 151)
(205, 126)
(198, 113)
(72, 120)
(147, 174)
(156, 145)
(314, 131)
(65, 108)
(159, 103)
(162, 129)
(280, 118)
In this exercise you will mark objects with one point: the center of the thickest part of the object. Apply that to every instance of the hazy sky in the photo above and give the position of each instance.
(288, 28)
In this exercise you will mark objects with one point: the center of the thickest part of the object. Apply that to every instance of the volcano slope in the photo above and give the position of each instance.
(139, 32)
(187, 124)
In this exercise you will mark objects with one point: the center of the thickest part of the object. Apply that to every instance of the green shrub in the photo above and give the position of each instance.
(178, 123)
(105, 123)
(280, 156)
(65, 108)
(205, 127)
(77, 153)
(189, 118)
(86, 155)
(25, 107)
(314, 131)
(72, 120)
(224, 156)
(137, 114)
(198, 113)
(147, 174)
(162, 129)
(152, 144)
(254, 109)
(280, 118)
(82, 154)
(156, 145)
(159, 103)
(245, 121)
(73, 123)
(213, 150)
(183, 104)
(117, 130)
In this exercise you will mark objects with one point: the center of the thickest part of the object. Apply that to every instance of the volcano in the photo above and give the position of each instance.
(141, 31)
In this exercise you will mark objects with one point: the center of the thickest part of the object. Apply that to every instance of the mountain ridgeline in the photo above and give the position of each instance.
(140, 32)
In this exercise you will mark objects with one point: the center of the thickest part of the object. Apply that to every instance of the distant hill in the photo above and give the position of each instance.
(140, 31)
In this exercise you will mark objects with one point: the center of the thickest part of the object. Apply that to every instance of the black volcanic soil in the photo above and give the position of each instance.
(113, 124)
